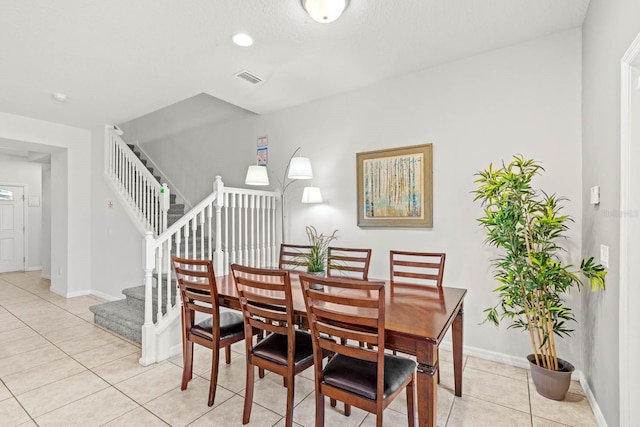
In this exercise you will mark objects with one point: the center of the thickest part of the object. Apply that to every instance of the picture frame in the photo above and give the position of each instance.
(395, 187)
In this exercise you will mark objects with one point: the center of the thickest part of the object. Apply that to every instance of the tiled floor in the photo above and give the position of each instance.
(58, 369)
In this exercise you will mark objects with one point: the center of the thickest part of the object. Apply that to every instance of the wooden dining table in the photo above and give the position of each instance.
(417, 319)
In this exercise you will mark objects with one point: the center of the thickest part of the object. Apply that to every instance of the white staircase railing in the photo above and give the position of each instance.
(231, 225)
(147, 200)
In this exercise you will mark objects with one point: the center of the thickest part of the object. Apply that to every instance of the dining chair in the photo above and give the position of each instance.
(417, 267)
(364, 377)
(267, 305)
(348, 262)
(290, 257)
(199, 293)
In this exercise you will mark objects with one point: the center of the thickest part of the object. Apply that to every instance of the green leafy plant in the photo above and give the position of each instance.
(316, 258)
(525, 225)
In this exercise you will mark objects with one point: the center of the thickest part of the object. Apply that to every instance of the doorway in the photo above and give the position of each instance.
(12, 228)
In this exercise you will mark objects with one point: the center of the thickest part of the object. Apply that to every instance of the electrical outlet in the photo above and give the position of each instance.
(604, 256)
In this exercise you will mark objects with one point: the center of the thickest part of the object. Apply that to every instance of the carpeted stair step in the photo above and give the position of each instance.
(176, 208)
(135, 297)
(120, 318)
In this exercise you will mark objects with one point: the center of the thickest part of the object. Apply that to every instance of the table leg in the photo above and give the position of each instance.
(427, 387)
(457, 351)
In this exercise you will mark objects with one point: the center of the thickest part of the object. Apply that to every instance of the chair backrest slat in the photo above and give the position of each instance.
(348, 262)
(266, 313)
(354, 301)
(420, 267)
(341, 316)
(257, 298)
(292, 257)
(339, 332)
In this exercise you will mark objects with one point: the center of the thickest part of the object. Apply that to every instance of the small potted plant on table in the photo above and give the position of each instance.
(316, 258)
(526, 225)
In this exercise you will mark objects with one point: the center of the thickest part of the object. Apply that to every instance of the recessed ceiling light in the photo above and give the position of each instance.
(243, 40)
(60, 97)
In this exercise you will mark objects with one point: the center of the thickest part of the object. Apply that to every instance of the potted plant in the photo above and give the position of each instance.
(526, 225)
(316, 257)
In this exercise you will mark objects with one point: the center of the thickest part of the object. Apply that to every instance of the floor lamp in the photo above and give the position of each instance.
(297, 168)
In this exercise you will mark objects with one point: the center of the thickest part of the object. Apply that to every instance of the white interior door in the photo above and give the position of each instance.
(11, 228)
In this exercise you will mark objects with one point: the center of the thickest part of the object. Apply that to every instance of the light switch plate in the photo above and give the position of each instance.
(604, 256)
(595, 195)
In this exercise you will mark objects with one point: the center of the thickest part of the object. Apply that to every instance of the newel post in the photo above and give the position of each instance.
(148, 334)
(165, 204)
(218, 257)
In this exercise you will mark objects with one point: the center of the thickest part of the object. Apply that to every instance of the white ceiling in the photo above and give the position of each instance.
(121, 59)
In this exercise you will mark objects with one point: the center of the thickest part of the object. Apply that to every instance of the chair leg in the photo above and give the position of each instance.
(332, 402)
(213, 381)
(187, 369)
(259, 338)
(227, 354)
(248, 394)
(290, 390)
(347, 410)
(319, 409)
(410, 403)
(438, 367)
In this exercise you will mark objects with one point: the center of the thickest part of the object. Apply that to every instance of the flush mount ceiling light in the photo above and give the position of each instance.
(60, 97)
(242, 39)
(324, 11)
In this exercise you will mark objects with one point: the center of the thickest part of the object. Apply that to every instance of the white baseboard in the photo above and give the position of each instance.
(46, 276)
(77, 293)
(521, 362)
(592, 400)
(33, 268)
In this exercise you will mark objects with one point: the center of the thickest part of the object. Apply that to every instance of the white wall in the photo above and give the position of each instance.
(45, 246)
(70, 195)
(609, 29)
(522, 99)
(116, 244)
(17, 170)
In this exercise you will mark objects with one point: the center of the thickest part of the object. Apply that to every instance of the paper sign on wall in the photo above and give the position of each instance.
(263, 155)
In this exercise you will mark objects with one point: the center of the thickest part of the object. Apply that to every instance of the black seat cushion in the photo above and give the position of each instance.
(274, 348)
(359, 376)
(230, 324)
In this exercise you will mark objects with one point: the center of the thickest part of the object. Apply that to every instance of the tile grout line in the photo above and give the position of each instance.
(109, 384)
(18, 402)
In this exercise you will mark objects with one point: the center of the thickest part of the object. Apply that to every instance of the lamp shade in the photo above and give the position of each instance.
(311, 195)
(257, 175)
(324, 11)
(300, 168)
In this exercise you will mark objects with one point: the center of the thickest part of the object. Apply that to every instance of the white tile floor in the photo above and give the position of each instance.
(58, 369)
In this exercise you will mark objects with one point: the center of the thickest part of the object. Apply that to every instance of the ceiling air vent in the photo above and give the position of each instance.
(248, 76)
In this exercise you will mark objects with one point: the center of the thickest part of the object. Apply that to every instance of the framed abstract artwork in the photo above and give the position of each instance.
(395, 187)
